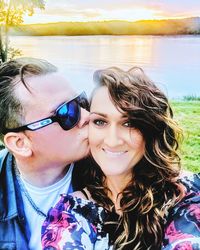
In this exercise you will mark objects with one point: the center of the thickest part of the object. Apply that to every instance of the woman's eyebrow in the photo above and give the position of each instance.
(123, 116)
(98, 113)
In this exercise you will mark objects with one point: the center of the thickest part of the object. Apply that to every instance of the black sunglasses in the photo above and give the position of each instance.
(67, 115)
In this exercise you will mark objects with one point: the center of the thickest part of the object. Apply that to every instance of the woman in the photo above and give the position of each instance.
(133, 173)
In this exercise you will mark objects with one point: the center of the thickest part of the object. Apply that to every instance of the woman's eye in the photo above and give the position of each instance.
(127, 124)
(99, 122)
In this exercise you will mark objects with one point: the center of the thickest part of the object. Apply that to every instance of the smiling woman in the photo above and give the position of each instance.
(133, 139)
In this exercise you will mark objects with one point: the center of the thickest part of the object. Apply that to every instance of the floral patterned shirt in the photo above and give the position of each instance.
(182, 231)
(75, 223)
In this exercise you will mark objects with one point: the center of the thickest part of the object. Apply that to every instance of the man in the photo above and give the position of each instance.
(44, 126)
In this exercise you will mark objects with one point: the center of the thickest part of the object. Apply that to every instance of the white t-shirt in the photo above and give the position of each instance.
(44, 199)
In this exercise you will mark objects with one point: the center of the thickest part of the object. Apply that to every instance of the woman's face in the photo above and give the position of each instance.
(115, 146)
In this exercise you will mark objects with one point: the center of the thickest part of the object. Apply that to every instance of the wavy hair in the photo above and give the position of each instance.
(153, 189)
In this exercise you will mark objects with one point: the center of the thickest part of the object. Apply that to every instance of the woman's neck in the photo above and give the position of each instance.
(116, 184)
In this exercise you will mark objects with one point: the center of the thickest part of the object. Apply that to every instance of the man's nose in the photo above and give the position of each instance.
(84, 118)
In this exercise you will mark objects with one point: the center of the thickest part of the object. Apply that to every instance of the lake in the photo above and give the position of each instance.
(172, 62)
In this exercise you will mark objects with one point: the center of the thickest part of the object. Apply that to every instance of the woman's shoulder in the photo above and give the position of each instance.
(182, 227)
(191, 199)
(78, 204)
(191, 181)
(83, 198)
(74, 222)
(84, 194)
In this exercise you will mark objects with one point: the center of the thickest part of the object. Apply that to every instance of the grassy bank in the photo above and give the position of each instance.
(187, 113)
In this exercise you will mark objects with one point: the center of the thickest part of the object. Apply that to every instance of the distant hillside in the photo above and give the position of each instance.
(145, 27)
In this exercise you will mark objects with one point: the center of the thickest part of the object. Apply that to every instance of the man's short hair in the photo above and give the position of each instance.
(11, 74)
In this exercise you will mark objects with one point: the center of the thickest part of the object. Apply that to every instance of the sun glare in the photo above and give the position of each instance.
(132, 14)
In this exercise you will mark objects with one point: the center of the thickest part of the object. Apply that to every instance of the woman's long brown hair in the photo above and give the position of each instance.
(153, 189)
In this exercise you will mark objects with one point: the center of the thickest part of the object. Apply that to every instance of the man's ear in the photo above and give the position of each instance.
(18, 143)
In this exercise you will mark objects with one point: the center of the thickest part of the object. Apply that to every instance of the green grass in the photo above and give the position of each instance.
(187, 113)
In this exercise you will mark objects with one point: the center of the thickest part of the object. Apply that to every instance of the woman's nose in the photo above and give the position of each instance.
(113, 137)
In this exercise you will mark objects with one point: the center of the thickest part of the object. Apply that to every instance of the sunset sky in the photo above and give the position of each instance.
(97, 10)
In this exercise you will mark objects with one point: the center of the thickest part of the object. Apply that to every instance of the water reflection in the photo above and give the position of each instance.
(173, 62)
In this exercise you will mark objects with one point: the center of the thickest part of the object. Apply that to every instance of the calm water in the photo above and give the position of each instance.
(173, 62)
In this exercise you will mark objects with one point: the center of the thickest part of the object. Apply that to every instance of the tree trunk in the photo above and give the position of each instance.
(6, 44)
(6, 30)
(2, 50)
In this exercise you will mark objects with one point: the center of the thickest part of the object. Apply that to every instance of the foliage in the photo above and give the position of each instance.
(11, 14)
(191, 98)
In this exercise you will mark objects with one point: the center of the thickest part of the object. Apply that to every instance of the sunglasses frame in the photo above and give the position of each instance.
(33, 126)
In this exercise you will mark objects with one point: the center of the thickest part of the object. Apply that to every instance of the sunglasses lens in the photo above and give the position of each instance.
(69, 115)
